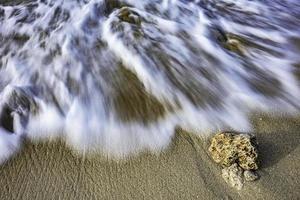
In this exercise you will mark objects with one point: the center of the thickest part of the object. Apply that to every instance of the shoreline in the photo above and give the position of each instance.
(183, 171)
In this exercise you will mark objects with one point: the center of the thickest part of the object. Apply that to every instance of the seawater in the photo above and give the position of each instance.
(117, 77)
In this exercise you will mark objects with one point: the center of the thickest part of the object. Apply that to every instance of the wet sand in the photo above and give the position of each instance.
(183, 171)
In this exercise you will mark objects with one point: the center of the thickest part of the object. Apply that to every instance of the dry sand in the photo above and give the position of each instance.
(184, 171)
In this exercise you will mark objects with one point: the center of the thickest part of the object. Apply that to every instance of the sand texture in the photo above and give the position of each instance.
(184, 171)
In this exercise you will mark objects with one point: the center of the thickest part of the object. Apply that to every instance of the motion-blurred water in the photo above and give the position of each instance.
(119, 76)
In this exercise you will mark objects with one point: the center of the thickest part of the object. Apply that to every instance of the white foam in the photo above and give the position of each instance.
(9, 144)
(68, 75)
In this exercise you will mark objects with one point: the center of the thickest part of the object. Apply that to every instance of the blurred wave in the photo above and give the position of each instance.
(118, 76)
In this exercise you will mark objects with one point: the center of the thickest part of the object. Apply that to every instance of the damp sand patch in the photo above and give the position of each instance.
(184, 171)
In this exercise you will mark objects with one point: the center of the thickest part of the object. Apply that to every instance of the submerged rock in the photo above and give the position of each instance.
(233, 176)
(128, 24)
(128, 15)
(229, 148)
(22, 101)
(233, 43)
(18, 101)
(111, 5)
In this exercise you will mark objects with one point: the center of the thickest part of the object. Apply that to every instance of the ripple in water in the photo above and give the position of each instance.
(119, 76)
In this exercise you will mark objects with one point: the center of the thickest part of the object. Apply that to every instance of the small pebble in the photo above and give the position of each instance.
(250, 175)
(233, 176)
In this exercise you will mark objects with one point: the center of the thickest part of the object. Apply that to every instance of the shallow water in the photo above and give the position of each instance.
(119, 76)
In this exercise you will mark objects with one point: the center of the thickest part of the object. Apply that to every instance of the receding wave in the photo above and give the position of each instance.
(117, 77)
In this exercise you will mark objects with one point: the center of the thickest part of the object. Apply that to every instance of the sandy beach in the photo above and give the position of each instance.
(120, 75)
(184, 171)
